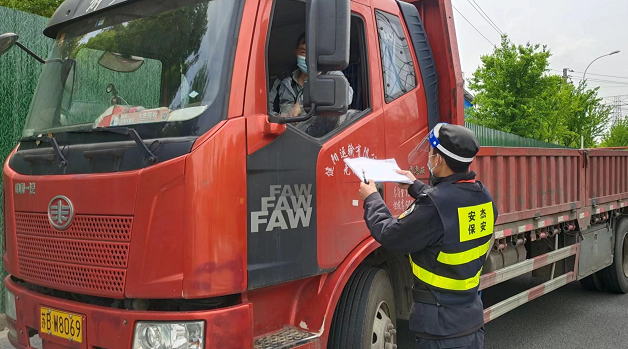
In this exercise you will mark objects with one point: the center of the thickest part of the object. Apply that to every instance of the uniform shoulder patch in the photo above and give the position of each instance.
(407, 212)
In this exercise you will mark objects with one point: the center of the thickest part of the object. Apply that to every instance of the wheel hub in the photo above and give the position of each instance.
(384, 332)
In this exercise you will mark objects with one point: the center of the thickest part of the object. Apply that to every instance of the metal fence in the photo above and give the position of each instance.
(493, 138)
(18, 79)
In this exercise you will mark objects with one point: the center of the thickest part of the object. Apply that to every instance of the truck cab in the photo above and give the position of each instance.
(155, 200)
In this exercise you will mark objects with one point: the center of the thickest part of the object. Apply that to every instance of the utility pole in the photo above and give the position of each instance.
(566, 74)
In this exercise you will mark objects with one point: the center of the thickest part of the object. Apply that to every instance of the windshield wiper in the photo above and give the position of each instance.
(53, 143)
(127, 131)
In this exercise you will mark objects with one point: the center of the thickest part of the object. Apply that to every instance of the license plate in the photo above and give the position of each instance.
(61, 324)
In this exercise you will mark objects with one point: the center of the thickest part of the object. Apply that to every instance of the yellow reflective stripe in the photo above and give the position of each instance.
(464, 257)
(444, 282)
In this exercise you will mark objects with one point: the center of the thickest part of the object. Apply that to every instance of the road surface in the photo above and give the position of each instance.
(569, 318)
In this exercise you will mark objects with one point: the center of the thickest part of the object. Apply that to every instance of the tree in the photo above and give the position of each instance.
(617, 135)
(553, 107)
(510, 83)
(586, 116)
(39, 7)
(516, 94)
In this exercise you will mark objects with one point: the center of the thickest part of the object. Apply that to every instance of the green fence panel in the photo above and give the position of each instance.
(18, 78)
(493, 138)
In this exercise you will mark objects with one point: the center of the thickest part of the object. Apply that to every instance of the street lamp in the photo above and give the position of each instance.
(585, 71)
(584, 82)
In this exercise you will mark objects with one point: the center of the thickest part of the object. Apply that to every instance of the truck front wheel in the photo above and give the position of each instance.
(615, 277)
(365, 317)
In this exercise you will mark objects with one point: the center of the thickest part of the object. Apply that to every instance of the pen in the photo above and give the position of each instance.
(364, 176)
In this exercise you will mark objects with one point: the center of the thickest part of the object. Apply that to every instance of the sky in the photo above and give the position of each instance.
(575, 31)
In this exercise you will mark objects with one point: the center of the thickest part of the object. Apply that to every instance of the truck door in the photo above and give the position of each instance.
(304, 214)
(405, 108)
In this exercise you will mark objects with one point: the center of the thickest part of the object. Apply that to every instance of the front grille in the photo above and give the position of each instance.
(104, 254)
(82, 227)
(74, 278)
(89, 257)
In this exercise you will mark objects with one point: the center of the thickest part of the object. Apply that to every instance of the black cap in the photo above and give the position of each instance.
(455, 142)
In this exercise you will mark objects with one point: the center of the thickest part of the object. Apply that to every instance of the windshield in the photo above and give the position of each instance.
(158, 66)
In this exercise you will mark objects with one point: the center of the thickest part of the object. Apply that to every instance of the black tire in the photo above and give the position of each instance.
(615, 276)
(367, 301)
(592, 282)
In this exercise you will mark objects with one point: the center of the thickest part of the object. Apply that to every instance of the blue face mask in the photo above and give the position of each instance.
(301, 63)
(433, 178)
(429, 167)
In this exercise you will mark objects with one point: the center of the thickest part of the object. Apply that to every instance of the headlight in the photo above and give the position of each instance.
(160, 335)
(10, 305)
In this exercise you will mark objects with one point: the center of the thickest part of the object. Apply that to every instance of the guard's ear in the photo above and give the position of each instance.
(442, 160)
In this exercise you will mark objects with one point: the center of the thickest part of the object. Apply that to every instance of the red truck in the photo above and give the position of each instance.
(154, 202)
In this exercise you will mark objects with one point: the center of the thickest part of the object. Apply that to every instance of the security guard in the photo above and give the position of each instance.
(447, 233)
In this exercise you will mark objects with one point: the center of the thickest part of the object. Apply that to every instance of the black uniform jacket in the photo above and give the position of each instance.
(422, 231)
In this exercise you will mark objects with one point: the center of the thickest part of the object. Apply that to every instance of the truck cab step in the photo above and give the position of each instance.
(289, 337)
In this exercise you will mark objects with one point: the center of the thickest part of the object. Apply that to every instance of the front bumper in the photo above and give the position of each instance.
(107, 328)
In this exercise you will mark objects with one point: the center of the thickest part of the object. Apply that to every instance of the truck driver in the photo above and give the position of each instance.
(286, 94)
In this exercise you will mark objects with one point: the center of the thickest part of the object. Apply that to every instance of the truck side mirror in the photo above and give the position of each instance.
(328, 30)
(6, 42)
(9, 39)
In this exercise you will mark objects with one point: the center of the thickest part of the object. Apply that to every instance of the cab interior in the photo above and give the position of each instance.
(288, 23)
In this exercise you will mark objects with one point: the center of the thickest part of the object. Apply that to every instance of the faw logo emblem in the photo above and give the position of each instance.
(287, 207)
(60, 212)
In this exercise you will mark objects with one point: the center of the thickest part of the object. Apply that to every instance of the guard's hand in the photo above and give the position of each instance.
(367, 189)
(410, 177)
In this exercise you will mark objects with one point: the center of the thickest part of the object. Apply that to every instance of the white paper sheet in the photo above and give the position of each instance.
(377, 170)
